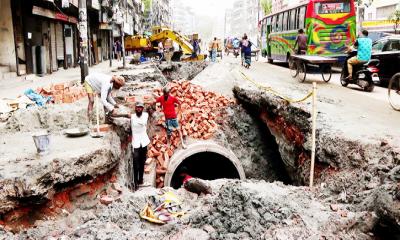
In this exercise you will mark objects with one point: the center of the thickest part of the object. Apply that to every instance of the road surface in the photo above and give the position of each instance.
(357, 114)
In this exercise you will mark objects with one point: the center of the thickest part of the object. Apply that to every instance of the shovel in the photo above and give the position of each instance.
(97, 133)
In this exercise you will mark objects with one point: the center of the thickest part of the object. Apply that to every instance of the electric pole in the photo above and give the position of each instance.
(123, 34)
(83, 32)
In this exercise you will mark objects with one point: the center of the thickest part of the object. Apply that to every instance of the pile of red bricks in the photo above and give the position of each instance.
(63, 92)
(200, 114)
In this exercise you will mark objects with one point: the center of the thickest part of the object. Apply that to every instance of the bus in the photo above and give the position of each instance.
(330, 26)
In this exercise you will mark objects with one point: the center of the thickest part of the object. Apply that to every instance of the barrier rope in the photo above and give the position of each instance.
(269, 89)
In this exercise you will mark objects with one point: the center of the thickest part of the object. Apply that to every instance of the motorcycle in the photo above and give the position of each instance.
(364, 74)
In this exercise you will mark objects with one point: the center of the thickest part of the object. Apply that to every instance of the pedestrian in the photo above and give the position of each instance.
(168, 50)
(301, 42)
(140, 140)
(171, 122)
(99, 83)
(118, 48)
(214, 49)
(246, 50)
(160, 51)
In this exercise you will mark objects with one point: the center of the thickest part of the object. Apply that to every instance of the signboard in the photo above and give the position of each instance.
(51, 14)
(105, 26)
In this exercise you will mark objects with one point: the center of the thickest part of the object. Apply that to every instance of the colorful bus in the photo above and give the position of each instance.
(330, 26)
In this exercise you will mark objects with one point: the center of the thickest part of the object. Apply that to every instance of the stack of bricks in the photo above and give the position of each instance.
(201, 114)
(63, 92)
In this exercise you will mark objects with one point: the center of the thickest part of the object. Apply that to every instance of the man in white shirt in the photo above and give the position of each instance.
(140, 140)
(102, 84)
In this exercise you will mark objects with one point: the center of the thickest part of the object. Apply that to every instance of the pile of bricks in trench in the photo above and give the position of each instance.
(63, 92)
(201, 113)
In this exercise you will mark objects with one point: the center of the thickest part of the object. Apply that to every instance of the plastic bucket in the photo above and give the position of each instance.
(42, 142)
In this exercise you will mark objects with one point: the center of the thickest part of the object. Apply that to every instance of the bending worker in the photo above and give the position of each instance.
(102, 84)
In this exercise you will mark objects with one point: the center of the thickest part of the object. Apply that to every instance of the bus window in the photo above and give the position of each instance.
(293, 19)
(279, 23)
(269, 21)
(332, 7)
(274, 23)
(302, 16)
(285, 21)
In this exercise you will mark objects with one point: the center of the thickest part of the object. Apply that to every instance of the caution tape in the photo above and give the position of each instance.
(269, 89)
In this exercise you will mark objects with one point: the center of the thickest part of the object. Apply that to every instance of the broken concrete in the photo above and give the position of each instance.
(237, 210)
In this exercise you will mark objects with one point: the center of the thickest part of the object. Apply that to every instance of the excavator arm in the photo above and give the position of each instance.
(183, 41)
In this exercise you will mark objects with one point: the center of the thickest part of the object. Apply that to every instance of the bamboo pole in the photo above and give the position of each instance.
(314, 123)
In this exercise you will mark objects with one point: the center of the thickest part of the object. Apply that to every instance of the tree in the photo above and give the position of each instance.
(266, 6)
(395, 17)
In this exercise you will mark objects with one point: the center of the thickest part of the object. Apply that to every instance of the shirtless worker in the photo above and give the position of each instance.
(99, 83)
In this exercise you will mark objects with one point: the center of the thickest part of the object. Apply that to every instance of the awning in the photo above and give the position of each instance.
(54, 15)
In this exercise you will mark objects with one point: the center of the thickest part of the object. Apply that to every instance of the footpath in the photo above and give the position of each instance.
(14, 87)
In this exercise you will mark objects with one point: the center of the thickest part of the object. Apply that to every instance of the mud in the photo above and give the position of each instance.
(237, 210)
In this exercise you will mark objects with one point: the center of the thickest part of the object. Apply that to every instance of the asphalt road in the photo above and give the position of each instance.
(344, 110)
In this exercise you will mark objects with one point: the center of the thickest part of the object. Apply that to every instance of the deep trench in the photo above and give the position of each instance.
(205, 165)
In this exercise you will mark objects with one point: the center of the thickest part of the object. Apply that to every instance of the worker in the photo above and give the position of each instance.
(99, 83)
(214, 48)
(301, 42)
(160, 51)
(140, 140)
(168, 50)
(192, 184)
(171, 122)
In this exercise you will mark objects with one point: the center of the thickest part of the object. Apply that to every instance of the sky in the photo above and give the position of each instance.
(210, 8)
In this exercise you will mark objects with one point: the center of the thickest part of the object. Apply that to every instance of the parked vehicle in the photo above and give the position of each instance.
(387, 51)
(330, 27)
(364, 74)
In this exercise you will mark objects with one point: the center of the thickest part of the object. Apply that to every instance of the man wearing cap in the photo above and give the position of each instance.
(140, 140)
(102, 84)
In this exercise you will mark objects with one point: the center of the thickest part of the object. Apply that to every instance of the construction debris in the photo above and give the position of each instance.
(200, 114)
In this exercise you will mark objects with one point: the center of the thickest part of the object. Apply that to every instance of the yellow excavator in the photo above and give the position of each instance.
(148, 45)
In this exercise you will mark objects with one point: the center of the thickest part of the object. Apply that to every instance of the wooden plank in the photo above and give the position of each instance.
(315, 59)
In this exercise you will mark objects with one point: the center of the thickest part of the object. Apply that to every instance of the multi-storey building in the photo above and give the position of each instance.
(242, 18)
(157, 13)
(42, 36)
(376, 15)
(183, 17)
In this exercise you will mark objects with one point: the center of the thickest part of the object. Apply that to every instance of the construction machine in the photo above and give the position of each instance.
(148, 45)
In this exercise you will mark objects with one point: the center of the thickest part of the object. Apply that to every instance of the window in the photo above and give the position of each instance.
(378, 46)
(279, 22)
(332, 7)
(285, 21)
(394, 45)
(293, 19)
(274, 23)
(302, 17)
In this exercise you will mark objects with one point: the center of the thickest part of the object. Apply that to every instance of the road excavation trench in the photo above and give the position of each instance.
(252, 143)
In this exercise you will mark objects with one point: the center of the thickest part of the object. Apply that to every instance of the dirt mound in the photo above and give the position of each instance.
(236, 210)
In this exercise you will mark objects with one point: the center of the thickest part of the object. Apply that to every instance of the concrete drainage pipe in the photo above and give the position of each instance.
(206, 160)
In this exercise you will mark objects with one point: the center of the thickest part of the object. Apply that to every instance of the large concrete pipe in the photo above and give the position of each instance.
(204, 159)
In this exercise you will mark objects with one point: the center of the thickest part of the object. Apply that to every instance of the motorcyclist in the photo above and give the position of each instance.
(364, 49)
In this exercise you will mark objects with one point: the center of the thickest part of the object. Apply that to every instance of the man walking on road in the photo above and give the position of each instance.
(168, 105)
(99, 83)
(140, 140)
(214, 49)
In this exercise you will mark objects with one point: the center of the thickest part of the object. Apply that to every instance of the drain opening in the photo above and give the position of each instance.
(207, 166)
